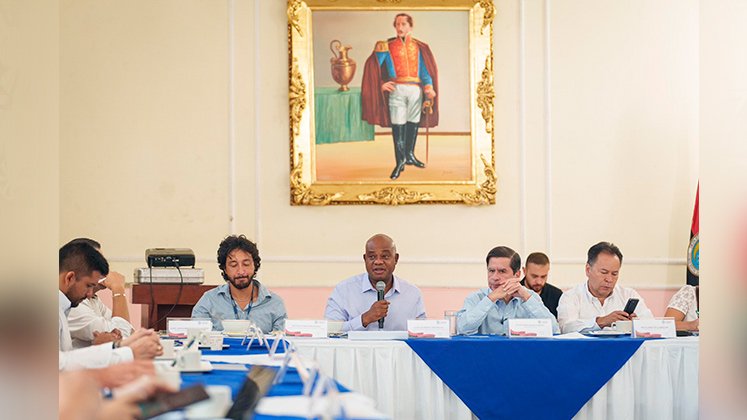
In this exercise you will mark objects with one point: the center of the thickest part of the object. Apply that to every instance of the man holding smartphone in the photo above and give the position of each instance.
(599, 301)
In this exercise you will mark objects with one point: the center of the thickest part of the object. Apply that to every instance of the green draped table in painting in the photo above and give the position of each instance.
(337, 116)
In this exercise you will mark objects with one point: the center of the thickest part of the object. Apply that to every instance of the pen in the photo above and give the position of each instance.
(184, 348)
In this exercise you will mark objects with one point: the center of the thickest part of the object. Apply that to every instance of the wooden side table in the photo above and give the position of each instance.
(158, 299)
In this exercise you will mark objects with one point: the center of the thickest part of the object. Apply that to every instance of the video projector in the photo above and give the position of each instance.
(169, 257)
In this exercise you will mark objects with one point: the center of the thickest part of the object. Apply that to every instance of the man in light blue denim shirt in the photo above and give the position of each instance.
(488, 310)
(243, 296)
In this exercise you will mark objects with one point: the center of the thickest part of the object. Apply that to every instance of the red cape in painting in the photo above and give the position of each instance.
(375, 103)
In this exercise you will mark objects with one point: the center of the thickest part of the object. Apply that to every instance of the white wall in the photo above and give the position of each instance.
(29, 109)
(174, 132)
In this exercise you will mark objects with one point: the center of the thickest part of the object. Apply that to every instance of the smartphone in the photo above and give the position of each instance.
(630, 306)
(169, 401)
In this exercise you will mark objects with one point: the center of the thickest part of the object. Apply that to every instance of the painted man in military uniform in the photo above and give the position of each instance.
(396, 76)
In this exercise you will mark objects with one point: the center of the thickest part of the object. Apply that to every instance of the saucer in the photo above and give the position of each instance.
(205, 366)
(207, 346)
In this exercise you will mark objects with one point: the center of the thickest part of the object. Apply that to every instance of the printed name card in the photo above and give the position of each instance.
(315, 328)
(177, 327)
(529, 328)
(654, 328)
(428, 328)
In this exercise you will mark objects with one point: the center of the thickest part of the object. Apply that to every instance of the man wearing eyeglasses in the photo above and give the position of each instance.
(355, 300)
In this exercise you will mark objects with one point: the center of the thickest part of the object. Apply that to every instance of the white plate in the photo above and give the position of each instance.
(234, 334)
(205, 366)
(607, 333)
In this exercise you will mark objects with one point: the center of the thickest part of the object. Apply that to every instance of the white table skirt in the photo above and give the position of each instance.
(402, 385)
(659, 382)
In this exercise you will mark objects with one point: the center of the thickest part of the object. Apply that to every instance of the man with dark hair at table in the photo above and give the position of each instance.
(82, 267)
(396, 77)
(92, 322)
(536, 271)
(355, 300)
(242, 296)
(599, 301)
(487, 310)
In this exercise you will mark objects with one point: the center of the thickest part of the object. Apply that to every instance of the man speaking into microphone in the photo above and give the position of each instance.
(377, 299)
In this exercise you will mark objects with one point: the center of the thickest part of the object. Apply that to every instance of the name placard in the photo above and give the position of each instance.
(428, 328)
(654, 328)
(529, 328)
(177, 327)
(313, 328)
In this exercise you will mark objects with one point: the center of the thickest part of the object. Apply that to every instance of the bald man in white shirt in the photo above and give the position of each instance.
(598, 302)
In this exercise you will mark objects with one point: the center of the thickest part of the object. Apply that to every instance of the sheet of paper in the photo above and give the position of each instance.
(230, 366)
(249, 359)
(571, 335)
(356, 406)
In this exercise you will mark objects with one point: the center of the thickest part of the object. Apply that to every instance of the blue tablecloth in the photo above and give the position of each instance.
(291, 384)
(501, 378)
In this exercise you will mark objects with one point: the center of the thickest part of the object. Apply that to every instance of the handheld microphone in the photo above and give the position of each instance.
(380, 286)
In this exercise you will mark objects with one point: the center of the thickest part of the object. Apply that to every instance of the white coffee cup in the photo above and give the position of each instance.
(623, 326)
(189, 360)
(171, 376)
(334, 327)
(194, 333)
(215, 340)
(168, 348)
(203, 339)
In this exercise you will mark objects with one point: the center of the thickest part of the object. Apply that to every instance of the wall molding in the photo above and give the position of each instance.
(547, 132)
(231, 117)
(627, 261)
(257, 123)
(522, 133)
(431, 261)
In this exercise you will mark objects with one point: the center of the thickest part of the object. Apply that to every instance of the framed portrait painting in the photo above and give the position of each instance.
(391, 102)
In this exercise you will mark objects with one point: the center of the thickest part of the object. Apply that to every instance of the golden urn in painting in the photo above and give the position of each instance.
(343, 67)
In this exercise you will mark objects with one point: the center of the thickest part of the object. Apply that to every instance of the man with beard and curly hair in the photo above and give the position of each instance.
(243, 296)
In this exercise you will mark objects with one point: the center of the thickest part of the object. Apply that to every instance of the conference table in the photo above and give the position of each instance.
(284, 400)
(495, 377)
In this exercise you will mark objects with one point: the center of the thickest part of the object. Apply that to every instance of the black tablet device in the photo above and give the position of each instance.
(169, 401)
(258, 382)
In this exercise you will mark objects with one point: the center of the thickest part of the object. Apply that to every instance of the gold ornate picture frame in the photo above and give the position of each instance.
(350, 143)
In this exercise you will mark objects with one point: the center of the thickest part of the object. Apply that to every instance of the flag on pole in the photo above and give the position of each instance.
(693, 251)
